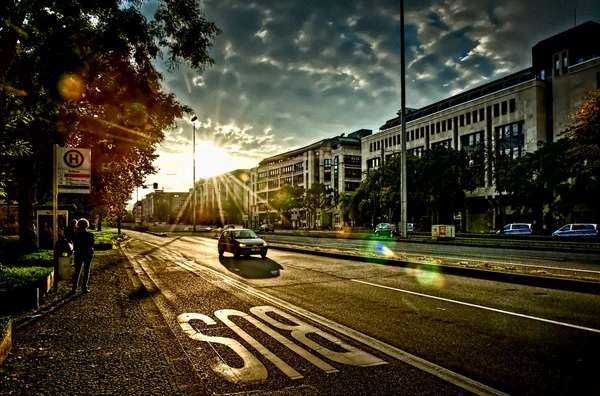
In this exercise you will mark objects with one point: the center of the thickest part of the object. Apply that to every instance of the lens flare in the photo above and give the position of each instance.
(429, 276)
(71, 87)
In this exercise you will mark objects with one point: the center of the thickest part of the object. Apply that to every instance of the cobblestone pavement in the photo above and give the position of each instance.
(88, 344)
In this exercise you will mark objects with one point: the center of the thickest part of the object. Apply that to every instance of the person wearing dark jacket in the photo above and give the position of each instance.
(83, 248)
(70, 230)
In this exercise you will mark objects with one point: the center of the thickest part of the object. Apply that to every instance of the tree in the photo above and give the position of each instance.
(102, 91)
(583, 155)
(287, 199)
(318, 198)
(447, 178)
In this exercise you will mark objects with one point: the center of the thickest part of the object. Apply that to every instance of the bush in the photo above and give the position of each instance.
(15, 277)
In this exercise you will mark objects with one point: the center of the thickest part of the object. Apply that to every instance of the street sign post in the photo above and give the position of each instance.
(71, 173)
(74, 170)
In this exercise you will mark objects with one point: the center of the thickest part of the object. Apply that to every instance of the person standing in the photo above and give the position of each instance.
(70, 230)
(83, 248)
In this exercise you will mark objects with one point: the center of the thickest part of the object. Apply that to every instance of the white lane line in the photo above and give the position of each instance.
(415, 361)
(480, 306)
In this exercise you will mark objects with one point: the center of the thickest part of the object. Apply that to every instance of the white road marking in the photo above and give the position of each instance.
(251, 372)
(480, 306)
(224, 314)
(353, 356)
(415, 361)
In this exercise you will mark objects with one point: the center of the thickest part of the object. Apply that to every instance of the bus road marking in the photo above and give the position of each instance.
(253, 370)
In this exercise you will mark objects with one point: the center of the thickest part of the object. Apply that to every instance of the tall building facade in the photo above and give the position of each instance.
(161, 206)
(334, 162)
(224, 199)
(512, 115)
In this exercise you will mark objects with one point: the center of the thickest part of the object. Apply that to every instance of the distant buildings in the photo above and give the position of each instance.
(512, 115)
(334, 162)
(161, 206)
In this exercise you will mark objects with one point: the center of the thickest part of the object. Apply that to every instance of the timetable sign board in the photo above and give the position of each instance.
(74, 167)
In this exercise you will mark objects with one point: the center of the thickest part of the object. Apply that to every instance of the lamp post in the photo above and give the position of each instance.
(404, 194)
(194, 170)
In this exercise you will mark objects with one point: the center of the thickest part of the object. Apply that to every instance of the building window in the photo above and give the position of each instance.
(443, 125)
(481, 114)
(327, 162)
(327, 177)
(556, 65)
(512, 105)
(497, 110)
(352, 173)
(449, 123)
(462, 120)
(394, 140)
(433, 130)
(565, 62)
(427, 130)
(474, 116)
(299, 167)
(472, 145)
(370, 147)
(273, 184)
(468, 120)
(352, 160)
(386, 143)
(423, 128)
(504, 107)
(373, 163)
(350, 186)
(417, 151)
(510, 140)
(298, 179)
(408, 136)
(412, 135)
(447, 144)
(437, 127)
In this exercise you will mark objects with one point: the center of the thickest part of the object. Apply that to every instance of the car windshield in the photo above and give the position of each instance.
(244, 234)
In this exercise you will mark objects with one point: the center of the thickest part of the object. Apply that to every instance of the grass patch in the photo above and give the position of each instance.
(15, 277)
(106, 237)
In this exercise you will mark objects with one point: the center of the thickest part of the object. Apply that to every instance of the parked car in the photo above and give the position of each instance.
(386, 229)
(241, 242)
(266, 228)
(516, 229)
(577, 229)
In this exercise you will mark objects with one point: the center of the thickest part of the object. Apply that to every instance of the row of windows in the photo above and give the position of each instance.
(502, 108)
(352, 159)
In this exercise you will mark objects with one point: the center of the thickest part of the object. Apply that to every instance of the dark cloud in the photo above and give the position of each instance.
(289, 73)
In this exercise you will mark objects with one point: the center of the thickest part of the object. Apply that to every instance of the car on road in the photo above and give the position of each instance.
(386, 229)
(266, 228)
(516, 229)
(577, 229)
(241, 242)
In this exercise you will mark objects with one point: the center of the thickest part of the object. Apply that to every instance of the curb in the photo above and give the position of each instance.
(521, 279)
(6, 341)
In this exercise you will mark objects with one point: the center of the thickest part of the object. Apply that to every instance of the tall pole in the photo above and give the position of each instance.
(54, 212)
(194, 171)
(403, 209)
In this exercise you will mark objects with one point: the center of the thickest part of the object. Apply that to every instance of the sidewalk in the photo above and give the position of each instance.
(88, 344)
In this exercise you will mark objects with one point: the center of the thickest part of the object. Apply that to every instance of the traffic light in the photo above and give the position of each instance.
(155, 186)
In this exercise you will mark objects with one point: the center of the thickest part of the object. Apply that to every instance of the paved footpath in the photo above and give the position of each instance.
(88, 344)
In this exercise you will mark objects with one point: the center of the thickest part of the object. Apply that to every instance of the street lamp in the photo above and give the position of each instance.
(194, 170)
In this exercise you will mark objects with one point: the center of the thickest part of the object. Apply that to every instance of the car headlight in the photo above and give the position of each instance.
(242, 245)
(264, 244)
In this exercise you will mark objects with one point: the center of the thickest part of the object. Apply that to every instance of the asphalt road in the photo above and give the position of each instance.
(360, 328)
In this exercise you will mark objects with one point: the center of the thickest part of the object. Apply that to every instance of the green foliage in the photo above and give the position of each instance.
(39, 256)
(288, 198)
(82, 74)
(106, 236)
(14, 277)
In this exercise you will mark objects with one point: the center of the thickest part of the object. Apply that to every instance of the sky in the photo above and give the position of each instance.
(288, 73)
